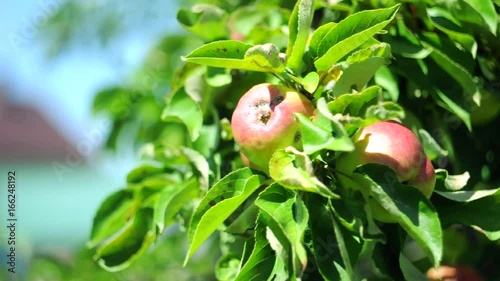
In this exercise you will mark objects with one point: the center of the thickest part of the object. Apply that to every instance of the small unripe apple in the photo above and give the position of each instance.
(264, 122)
(392, 144)
(453, 273)
(487, 112)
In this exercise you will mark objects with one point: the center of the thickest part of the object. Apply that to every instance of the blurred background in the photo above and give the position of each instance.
(82, 83)
(55, 56)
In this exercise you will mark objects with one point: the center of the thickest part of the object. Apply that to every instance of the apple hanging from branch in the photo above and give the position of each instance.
(264, 122)
(392, 144)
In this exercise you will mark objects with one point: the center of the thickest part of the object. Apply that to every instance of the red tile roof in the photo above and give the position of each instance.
(26, 135)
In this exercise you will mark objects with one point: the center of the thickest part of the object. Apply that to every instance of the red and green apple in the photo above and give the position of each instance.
(394, 145)
(264, 122)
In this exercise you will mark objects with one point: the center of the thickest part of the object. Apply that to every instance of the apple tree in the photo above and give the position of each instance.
(315, 140)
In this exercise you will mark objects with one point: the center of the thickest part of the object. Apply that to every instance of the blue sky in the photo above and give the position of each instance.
(62, 89)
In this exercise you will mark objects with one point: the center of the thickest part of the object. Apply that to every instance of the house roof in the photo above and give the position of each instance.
(26, 135)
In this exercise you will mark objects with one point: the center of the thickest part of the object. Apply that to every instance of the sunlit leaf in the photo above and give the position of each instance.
(310, 82)
(284, 172)
(355, 104)
(238, 55)
(387, 110)
(299, 26)
(267, 57)
(182, 108)
(432, 149)
(350, 33)
(318, 35)
(204, 20)
(219, 203)
(360, 68)
(486, 10)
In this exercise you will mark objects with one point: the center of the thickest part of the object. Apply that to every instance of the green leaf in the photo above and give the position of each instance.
(171, 200)
(443, 19)
(432, 149)
(373, 50)
(466, 195)
(223, 53)
(115, 101)
(205, 20)
(349, 248)
(284, 172)
(248, 19)
(455, 182)
(325, 247)
(386, 110)
(378, 266)
(334, 248)
(208, 140)
(410, 271)
(481, 213)
(356, 103)
(311, 82)
(143, 171)
(259, 265)
(450, 187)
(122, 249)
(267, 57)
(430, 78)
(316, 138)
(356, 75)
(289, 212)
(286, 259)
(451, 95)
(299, 26)
(182, 108)
(218, 77)
(351, 33)
(350, 212)
(386, 79)
(486, 10)
(218, 204)
(338, 138)
(111, 215)
(451, 66)
(245, 221)
(238, 55)
(360, 68)
(159, 181)
(454, 108)
(318, 35)
(200, 164)
(227, 267)
(406, 204)
(405, 44)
